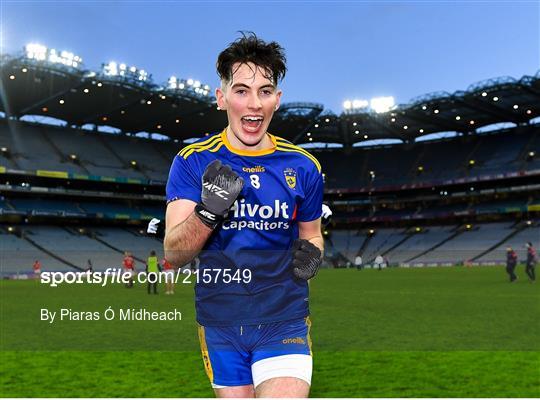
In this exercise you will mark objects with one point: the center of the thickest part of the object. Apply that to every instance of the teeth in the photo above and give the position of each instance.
(252, 118)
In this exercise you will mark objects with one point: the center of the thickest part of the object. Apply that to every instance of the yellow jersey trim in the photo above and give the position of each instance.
(197, 145)
(209, 147)
(249, 153)
(287, 146)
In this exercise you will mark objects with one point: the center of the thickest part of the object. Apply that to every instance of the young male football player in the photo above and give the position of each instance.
(248, 203)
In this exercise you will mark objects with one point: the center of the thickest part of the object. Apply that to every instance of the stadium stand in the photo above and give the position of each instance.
(18, 255)
(468, 244)
(125, 240)
(50, 148)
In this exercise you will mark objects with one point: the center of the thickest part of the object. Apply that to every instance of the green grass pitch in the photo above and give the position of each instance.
(427, 332)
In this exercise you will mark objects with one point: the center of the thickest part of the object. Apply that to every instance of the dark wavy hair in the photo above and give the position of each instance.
(270, 57)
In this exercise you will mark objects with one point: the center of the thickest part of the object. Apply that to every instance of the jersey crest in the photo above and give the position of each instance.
(290, 177)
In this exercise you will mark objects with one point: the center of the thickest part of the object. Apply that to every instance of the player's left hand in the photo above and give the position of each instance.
(307, 259)
(155, 227)
(326, 215)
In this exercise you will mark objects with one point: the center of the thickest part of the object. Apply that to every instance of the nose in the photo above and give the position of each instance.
(254, 102)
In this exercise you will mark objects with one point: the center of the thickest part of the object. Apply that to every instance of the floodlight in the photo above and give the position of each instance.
(360, 103)
(173, 82)
(36, 51)
(111, 69)
(382, 104)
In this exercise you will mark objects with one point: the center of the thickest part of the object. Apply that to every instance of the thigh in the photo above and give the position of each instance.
(246, 391)
(227, 366)
(283, 387)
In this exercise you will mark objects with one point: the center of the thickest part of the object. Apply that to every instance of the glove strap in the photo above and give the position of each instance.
(208, 218)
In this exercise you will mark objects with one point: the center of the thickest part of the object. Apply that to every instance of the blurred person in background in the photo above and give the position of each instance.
(511, 262)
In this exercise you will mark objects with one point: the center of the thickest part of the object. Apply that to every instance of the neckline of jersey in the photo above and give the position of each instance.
(249, 153)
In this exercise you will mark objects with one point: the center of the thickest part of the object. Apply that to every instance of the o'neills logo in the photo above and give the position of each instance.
(253, 170)
(296, 340)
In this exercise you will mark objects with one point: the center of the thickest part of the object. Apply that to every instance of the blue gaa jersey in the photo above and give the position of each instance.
(245, 275)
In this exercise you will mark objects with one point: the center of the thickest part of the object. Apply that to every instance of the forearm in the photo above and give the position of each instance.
(184, 241)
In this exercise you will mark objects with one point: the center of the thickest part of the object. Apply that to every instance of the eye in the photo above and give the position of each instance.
(266, 92)
(241, 91)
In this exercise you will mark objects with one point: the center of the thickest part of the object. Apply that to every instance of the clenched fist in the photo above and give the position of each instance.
(307, 259)
(220, 188)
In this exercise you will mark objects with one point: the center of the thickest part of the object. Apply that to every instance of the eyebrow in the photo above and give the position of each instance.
(236, 85)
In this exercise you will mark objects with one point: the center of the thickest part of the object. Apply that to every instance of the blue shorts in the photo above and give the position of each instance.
(229, 353)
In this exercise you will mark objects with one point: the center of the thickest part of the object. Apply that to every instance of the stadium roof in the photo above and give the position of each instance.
(79, 97)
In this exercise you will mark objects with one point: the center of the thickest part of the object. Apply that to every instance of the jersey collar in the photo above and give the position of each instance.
(249, 153)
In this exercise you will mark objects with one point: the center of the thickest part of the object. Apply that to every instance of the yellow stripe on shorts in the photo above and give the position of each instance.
(308, 323)
(205, 355)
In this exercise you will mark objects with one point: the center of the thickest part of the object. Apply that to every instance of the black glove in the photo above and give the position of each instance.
(306, 259)
(220, 188)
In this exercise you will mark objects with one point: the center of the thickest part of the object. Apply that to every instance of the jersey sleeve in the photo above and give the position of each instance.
(311, 207)
(183, 182)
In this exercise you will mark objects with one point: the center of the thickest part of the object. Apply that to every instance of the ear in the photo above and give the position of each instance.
(278, 98)
(220, 97)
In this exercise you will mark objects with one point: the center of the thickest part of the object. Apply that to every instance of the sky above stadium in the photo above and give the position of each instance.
(336, 50)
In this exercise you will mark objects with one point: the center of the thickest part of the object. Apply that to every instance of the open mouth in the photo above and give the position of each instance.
(252, 123)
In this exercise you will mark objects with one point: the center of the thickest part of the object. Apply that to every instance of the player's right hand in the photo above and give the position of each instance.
(220, 188)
